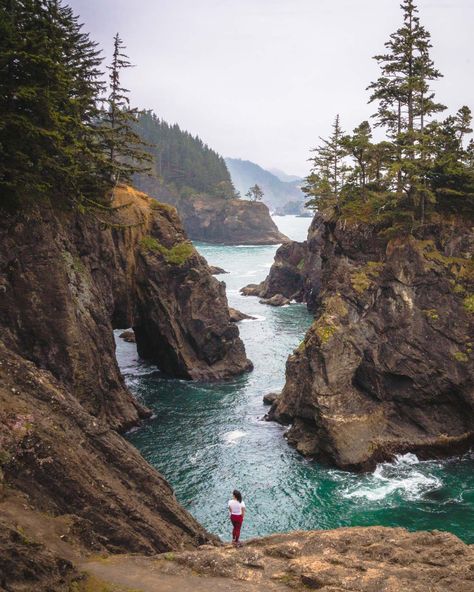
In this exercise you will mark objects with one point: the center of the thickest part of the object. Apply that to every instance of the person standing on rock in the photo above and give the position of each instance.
(237, 513)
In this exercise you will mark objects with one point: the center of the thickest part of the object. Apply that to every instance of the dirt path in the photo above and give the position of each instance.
(148, 574)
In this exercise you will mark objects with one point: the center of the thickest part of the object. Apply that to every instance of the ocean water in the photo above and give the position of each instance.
(208, 439)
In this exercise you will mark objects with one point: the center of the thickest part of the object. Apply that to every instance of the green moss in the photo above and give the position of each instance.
(301, 347)
(148, 243)
(469, 303)
(432, 314)
(461, 356)
(457, 288)
(300, 264)
(461, 269)
(363, 278)
(177, 255)
(169, 556)
(324, 332)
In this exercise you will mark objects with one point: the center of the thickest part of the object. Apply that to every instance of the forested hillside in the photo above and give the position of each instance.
(276, 193)
(184, 160)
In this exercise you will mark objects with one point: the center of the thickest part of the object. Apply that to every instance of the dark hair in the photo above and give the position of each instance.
(236, 493)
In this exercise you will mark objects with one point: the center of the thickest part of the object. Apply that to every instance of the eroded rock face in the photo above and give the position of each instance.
(286, 279)
(66, 281)
(387, 366)
(221, 221)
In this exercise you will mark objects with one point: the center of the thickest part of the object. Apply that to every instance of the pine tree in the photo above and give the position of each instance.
(125, 148)
(359, 146)
(329, 171)
(255, 193)
(406, 101)
(49, 82)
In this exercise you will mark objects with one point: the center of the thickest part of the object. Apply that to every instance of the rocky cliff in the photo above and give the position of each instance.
(215, 220)
(387, 366)
(66, 281)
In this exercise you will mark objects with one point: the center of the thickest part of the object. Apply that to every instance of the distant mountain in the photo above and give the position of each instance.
(285, 177)
(277, 193)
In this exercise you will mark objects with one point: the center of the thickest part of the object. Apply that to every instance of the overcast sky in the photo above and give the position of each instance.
(262, 79)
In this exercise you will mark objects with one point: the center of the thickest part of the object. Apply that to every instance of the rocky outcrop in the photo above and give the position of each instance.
(216, 220)
(387, 366)
(372, 559)
(217, 270)
(128, 336)
(236, 315)
(286, 279)
(66, 281)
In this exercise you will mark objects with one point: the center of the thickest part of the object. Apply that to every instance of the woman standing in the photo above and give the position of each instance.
(237, 513)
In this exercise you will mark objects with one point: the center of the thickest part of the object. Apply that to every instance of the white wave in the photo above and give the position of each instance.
(402, 476)
(233, 437)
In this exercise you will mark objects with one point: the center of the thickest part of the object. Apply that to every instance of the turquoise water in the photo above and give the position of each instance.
(208, 439)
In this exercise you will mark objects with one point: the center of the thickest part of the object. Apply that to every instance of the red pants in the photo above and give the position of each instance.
(237, 524)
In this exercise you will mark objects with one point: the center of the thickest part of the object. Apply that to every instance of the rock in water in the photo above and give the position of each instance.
(270, 398)
(237, 316)
(128, 336)
(277, 300)
(217, 270)
(286, 277)
(387, 366)
(216, 220)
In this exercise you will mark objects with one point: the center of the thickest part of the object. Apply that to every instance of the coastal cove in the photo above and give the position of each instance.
(207, 439)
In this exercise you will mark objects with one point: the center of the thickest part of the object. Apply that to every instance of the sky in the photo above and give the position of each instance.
(261, 80)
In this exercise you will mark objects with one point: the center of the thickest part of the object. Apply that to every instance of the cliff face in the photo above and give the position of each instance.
(66, 280)
(222, 221)
(387, 366)
(286, 277)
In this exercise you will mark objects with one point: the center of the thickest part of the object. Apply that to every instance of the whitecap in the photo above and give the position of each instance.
(400, 477)
(233, 437)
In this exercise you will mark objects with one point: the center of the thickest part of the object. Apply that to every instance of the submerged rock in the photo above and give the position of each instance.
(387, 366)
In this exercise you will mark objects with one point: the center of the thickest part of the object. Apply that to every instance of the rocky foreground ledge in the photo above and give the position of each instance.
(371, 559)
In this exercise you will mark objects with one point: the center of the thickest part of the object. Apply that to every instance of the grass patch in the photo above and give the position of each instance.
(468, 303)
(177, 255)
(162, 207)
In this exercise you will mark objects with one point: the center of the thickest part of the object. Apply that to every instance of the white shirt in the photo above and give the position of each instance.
(236, 507)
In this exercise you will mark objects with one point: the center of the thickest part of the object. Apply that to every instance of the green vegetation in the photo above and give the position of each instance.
(469, 303)
(177, 255)
(432, 314)
(461, 357)
(59, 140)
(422, 171)
(182, 159)
(255, 193)
(363, 278)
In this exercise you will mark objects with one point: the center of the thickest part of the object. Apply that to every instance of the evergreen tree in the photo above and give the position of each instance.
(359, 146)
(183, 160)
(125, 148)
(255, 193)
(329, 171)
(406, 101)
(49, 82)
